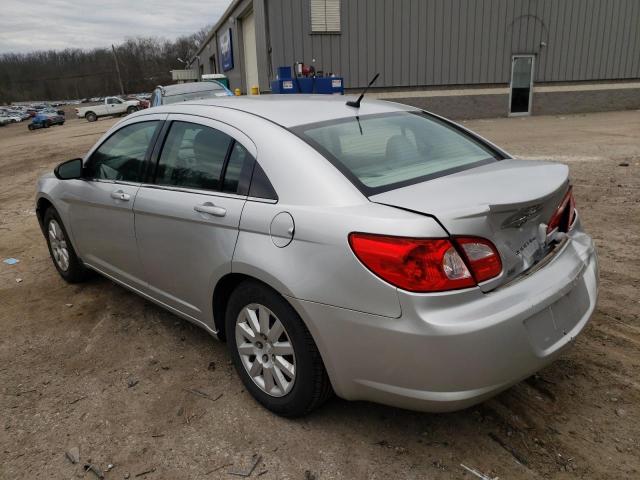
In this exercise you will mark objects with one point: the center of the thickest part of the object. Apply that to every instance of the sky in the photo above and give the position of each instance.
(28, 25)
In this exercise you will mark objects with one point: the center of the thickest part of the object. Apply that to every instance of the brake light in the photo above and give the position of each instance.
(426, 265)
(563, 217)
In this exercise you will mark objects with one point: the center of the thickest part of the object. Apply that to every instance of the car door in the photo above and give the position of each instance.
(187, 216)
(101, 204)
(114, 105)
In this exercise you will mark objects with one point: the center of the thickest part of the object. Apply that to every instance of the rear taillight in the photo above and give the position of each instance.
(563, 217)
(482, 257)
(427, 265)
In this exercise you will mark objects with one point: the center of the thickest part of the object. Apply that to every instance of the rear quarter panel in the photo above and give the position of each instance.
(319, 265)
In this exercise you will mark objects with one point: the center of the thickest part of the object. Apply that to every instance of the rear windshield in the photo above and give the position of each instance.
(387, 151)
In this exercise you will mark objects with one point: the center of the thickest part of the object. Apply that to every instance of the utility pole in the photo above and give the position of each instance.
(115, 57)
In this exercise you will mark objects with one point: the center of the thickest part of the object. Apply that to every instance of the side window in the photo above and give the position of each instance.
(193, 156)
(122, 155)
(260, 185)
(238, 171)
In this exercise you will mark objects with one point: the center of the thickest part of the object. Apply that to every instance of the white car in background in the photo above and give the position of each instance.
(110, 107)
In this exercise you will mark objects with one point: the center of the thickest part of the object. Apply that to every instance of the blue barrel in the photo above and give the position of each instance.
(293, 85)
(284, 86)
(330, 85)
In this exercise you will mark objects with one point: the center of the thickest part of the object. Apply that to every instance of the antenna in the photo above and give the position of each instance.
(356, 104)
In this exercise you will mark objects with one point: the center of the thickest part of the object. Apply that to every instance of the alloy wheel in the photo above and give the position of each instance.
(265, 350)
(58, 244)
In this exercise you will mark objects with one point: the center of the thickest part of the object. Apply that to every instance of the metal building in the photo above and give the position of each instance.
(457, 56)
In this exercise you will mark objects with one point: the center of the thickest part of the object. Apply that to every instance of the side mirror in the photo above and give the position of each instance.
(69, 170)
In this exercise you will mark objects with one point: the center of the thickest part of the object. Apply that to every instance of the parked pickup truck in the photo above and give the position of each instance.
(109, 107)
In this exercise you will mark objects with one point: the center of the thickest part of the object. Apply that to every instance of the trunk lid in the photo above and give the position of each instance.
(508, 202)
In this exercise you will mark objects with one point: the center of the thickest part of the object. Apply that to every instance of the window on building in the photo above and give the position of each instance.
(325, 16)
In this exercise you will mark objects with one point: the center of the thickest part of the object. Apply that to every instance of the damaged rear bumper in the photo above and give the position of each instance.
(450, 350)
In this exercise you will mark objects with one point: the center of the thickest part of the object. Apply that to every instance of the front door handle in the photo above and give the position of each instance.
(211, 209)
(120, 195)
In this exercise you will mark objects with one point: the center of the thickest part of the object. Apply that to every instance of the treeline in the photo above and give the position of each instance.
(76, 73)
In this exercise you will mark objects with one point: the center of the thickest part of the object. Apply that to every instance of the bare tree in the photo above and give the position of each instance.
(74, 73)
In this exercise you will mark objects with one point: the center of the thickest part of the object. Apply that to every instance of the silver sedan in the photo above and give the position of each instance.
(376, 251)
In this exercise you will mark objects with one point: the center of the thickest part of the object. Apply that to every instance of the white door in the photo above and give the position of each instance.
(250, 55)
(520, 95)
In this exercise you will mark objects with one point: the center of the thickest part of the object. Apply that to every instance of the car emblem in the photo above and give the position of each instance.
(521, 217)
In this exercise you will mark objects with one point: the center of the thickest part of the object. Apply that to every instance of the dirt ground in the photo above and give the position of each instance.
(97, 367)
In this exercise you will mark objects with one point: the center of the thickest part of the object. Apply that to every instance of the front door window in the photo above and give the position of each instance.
(121, 157)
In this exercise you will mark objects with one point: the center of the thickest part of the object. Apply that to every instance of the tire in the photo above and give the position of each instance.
(31, 127)
(131, 109)
(73, 270)
(91, 117)
(309, 387)
(46, 124)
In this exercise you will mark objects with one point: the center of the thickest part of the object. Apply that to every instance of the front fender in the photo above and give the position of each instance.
(49, 192)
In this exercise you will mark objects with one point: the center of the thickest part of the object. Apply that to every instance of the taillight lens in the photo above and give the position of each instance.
(425, 265)
(482, 257)
(565, 214)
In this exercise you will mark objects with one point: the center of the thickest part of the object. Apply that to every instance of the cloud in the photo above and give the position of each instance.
(27, 25)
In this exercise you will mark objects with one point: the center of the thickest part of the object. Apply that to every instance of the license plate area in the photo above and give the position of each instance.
(551, 328)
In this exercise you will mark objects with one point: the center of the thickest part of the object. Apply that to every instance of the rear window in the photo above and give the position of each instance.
(387, 151)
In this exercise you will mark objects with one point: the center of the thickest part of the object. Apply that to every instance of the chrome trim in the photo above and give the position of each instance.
(111, 182)
(193, 190)
(211, 193)
(262, 200)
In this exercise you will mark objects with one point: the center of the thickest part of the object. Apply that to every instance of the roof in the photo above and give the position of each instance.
(181, 88)
(293, 110)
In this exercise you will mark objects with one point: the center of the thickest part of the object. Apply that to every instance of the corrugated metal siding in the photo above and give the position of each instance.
(449, 42)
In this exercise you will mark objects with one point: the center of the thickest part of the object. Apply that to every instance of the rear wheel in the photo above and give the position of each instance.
(31, 127)
(91, 117)
(46, 123)
(131, 109)
(62, 253)
(273, 352)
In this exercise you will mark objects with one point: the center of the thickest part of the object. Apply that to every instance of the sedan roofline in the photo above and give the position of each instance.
(293, 110)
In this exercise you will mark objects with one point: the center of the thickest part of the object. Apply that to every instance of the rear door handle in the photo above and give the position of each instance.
(211, 209)
(120, 195)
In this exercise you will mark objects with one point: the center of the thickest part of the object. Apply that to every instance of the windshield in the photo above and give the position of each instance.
(382, 152)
